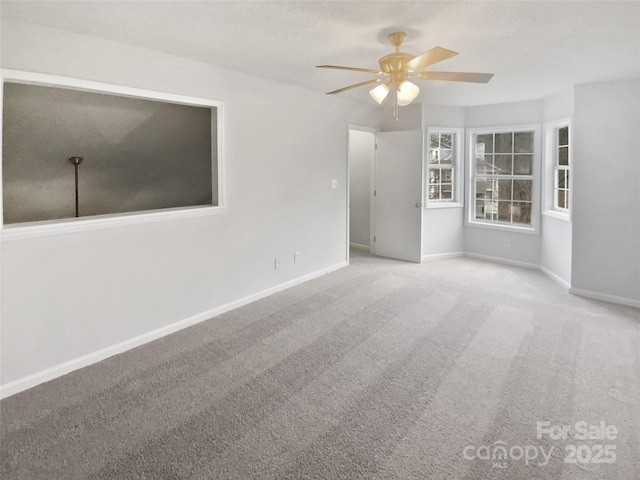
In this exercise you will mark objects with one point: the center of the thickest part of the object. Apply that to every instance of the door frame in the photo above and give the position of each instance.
(374, 131)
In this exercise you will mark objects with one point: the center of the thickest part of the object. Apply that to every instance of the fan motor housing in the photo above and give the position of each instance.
(395, 64)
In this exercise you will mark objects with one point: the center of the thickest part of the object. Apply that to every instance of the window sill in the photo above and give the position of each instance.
(47, 228)
(503, 227)
(436, 205)
(565, 217)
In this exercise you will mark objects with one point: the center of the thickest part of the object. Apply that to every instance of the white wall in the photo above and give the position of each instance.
(69, 295)
(442, 228)
(558, 106)
(442, 232)
(501, 114)
(555, 249)
(556, 235)
(606, 191)
(513, 247)
(362, 150)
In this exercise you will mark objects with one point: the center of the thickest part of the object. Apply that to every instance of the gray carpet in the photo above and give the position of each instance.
(383, 370)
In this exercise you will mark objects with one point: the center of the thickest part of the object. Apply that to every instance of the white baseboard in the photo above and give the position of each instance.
(504, 261)
(435, 256)
(51, 373)
(605, 297)
(358, 246)
(558, 279)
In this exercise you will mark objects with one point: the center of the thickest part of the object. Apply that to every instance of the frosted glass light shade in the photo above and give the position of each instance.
(379, 93)
(407, 93)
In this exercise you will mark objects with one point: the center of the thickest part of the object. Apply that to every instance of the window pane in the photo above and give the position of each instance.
(504, 142)
(446, 175)
(504, 189)
(561, 179)
(563, 156)
(523, 142)
(479, 212)
(504, 211)
(447, 191)
(434, 175)
(523, 164)
(433, 156)
(562, 194)
(503, 165)
(486, 209)
(445, 140)
(484, 143)
(521, 212)
(566, 199)
(522, 189)
(483, 164)
(563, 136)
(434, 140)
(445, 156)
(484, 189)
(434, 192)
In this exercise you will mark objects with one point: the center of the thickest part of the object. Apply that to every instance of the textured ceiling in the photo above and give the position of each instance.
(534, 48)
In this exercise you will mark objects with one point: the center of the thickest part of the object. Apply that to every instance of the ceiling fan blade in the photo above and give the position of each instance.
(353, 69)
(435, 55)
(362, 84)
(455, 76)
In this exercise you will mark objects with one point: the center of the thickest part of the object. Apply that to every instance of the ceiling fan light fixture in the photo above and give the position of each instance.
(398, 67)
(407, 93)
(379, 93)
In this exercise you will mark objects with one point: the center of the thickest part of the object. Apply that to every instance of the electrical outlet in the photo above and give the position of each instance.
(507, 243)
(296, 257)
(277, 263)
(334, 183)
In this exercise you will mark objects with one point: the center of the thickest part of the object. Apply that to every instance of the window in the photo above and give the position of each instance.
(503, 184)
(558, 166)
(145, 155)
(442, 168)
(561, 184)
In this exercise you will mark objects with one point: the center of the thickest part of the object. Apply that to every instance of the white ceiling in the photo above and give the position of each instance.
(534, 48)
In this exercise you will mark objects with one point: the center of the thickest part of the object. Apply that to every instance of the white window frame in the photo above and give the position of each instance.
(551, 167)
(457, 167)
(470, 220)
(19, 231)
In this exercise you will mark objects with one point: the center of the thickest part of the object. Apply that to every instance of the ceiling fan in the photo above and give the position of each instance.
(398, 68)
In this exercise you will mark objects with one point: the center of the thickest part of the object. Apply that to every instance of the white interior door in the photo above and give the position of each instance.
(398, 195)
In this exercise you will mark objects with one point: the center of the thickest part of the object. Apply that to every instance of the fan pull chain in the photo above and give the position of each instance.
(395, 104)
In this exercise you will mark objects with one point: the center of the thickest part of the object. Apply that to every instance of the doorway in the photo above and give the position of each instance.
(360, 158)
(384, 215)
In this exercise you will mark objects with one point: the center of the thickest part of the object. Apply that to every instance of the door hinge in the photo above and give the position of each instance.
(376, 146)
(375, 192)
(374, 239)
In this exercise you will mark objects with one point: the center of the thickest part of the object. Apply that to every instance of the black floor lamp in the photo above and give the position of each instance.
(76, 161)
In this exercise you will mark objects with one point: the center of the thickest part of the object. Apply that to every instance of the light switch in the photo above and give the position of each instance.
(334, 183)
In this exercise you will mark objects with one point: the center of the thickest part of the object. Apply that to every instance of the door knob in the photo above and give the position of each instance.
(418, 205)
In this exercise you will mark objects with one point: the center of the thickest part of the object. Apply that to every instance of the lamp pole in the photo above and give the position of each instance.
(76, 161)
